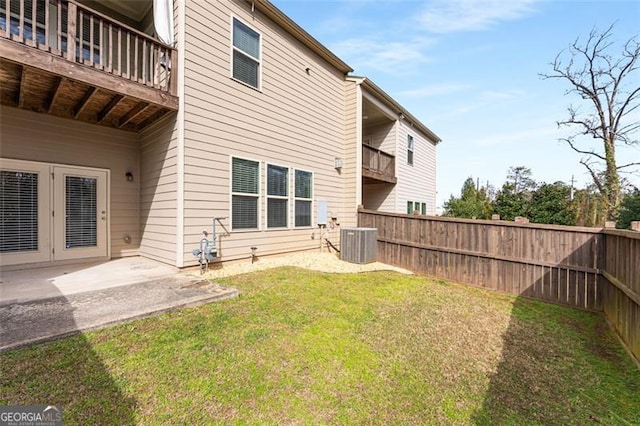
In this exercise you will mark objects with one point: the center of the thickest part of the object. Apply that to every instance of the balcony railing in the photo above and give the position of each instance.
(81, 35)
(377, 164)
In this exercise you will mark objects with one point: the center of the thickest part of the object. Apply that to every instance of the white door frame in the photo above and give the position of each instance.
(51, 212)
(60, 251)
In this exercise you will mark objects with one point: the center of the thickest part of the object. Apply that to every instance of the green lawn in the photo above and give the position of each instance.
(306, 347)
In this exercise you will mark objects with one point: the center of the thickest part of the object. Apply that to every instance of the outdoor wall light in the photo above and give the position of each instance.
(338, 163)
(129, 176)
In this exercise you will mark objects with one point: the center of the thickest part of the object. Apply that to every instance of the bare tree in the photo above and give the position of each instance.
(610, 88)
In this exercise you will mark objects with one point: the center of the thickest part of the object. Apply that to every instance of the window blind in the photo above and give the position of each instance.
(303, 213)
(303, 184)
(245, 176)
(245, 179)
(244, 212)
(81, 211)
(245, 39)
(277, 213)
(277, 180)
(18, 211)
(246, 54)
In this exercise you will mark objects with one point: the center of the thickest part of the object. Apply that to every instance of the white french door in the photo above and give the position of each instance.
(80, 213)
(50, 212)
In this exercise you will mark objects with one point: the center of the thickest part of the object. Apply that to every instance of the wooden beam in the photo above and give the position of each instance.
(153, 118)
(55, 94)
(21, 88)
(56, 65)
(133, 113)
(84, 101)
(110, 106)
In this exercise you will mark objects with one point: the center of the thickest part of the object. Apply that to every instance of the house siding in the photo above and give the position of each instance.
(417, 182)
(296, 120)
(351, 155)
(45, 138)
(158, 190)
(383, 136)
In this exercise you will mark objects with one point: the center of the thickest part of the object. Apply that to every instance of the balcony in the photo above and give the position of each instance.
(63, 58)
(378, 166)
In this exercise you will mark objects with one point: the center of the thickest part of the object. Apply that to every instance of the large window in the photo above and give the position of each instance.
(277, 196)
(245, 185)
(410, 150)
(303, 197)
(245, 60)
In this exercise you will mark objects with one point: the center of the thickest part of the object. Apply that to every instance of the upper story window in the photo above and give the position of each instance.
(303, 197)
(277, 196)
(410, 150)
(245, 184)
(245, 61)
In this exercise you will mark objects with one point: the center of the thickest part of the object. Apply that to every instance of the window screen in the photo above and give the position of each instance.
(303, 195)
(409, 207)
(277, 196)
(18, 211)
(410, 150)
(245, 182)
(246, 54)
(81, 211)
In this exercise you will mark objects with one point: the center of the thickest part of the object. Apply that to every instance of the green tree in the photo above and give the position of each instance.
(473, 203)
(550, 204)
(608, 89)
(520, 179)
(588, 207)
(509, 203)
(629, 210)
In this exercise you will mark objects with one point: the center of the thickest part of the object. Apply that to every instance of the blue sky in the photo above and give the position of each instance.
(469, 70)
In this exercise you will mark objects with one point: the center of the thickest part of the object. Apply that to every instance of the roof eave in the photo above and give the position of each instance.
(368, 84)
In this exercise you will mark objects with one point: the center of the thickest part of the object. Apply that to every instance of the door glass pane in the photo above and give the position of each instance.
(18, 211)
(81, 211)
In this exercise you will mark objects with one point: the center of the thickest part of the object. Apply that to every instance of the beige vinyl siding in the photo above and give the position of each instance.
(30, 136)
(417, 182)
(158, 191)
(297, 120)
(351, 148)
(383, 136)
(381, 197)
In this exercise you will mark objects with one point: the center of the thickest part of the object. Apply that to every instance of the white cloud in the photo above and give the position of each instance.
(390, 56)
(443, 16)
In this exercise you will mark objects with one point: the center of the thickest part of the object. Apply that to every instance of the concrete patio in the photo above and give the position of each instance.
(38, 305)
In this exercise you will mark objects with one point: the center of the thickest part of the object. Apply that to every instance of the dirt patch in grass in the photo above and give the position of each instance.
(303, 347)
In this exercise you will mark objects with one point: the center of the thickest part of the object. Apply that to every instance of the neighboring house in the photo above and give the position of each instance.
(115, 144)
(398, 154)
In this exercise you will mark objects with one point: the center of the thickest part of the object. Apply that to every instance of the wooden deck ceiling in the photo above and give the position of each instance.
(93, 100)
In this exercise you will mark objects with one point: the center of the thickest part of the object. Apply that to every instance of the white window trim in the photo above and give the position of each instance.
(232, 48)
(279, 197)
(231, 194)
(293, 204)
(411, 148)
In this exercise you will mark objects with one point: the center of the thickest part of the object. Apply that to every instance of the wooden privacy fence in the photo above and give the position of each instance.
(588, 268)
